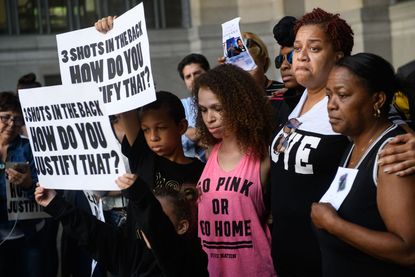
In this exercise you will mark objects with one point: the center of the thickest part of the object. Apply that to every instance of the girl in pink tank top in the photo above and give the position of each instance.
(234, 118)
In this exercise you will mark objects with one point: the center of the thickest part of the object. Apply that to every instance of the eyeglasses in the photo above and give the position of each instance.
(282, 141)
(7, 119)
(280, 59)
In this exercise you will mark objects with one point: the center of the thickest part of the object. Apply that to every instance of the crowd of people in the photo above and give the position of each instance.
(230, 181)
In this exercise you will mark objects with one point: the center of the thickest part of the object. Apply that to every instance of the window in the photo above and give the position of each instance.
(3, 17)
(29, 16)
(57, 16)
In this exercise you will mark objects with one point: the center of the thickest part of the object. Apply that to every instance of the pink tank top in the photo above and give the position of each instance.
(231, 225)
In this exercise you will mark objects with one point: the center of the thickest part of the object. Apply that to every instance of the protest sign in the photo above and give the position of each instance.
(21, 204)
(71, 138)
(234, 48)
(118, 62)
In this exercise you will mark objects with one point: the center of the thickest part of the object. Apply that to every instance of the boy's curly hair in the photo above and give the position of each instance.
(246, 110)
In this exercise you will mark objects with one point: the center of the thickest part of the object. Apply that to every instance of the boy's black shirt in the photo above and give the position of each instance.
(89, 232)
(155, 170)
(171, 254)
(120, 250)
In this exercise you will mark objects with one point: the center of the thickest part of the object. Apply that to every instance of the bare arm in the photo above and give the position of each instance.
(130, 124)
(395, 198)
(266, 191)
(399, 155)
(265, 171)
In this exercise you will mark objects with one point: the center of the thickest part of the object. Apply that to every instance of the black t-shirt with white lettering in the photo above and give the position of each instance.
(300, 176)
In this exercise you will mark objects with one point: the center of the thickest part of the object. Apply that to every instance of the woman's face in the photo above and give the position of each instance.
(350, 105)
(10, 125)
(314, 57)
(212, 112)
(286, 69)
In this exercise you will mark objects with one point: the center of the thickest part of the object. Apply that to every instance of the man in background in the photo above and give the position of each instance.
(189, 68)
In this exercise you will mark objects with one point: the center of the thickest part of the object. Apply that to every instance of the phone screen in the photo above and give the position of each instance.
(21, 167)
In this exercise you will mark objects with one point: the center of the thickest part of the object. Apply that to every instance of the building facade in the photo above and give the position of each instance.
(179, 27)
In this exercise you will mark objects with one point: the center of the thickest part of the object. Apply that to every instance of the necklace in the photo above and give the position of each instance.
(357, 155)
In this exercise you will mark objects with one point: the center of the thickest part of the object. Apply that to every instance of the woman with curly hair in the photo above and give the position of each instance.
(234, 118)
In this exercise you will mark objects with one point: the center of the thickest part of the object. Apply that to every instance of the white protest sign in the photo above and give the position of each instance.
(71, 138)
(21, 204)
(340, 187)
(118, 62)
(235, 50)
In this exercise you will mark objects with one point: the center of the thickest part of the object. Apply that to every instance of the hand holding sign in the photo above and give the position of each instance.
(44, 196)
(117, 61)
(125, 181)
(71, 138)
(105, 24)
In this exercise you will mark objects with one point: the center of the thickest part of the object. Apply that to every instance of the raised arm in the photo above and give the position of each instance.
(130, 124)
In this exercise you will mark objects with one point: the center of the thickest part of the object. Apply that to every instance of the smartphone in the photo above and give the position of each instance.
(21, 167)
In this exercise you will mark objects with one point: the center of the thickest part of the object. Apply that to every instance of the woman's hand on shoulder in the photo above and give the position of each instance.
(125, 181)
(105, 24)
(44, 196)
(398, 156)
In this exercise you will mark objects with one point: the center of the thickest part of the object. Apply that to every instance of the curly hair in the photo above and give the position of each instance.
(246, 110)
(257, 49)
(338, 30)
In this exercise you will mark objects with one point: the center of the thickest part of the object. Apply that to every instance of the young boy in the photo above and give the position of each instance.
(152, 142)
(153, 146)
(165, 221)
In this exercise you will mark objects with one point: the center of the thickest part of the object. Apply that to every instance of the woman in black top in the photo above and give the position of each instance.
(373, 231)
